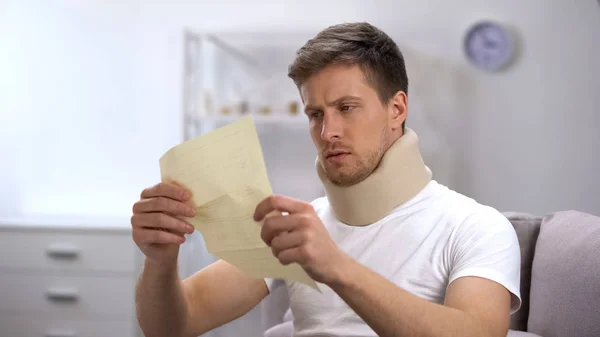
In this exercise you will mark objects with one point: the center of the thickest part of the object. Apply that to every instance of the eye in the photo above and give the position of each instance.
(346, 108)
(315, 114)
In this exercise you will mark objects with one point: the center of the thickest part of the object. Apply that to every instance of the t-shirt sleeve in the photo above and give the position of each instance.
(486, 245)
(273, 284)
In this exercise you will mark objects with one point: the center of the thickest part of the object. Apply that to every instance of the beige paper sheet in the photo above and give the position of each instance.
(226, 173)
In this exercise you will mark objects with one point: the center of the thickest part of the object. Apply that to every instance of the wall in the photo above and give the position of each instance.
(79, 132)
(91, 96)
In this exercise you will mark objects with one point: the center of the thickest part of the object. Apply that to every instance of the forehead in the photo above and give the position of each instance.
(335, 81)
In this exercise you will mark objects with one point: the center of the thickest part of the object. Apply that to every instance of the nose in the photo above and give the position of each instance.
(331, 128)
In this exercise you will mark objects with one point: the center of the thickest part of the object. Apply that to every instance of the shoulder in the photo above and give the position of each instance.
(484, 220)
(479, 231)
(483, 243)
(468, 215)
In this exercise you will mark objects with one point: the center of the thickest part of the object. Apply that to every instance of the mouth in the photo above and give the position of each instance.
(336, 156)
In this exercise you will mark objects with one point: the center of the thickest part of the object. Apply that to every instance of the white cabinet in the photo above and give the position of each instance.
(12, 324)
(67, 279)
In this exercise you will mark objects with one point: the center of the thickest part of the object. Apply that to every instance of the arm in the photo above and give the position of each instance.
(161, 305)
(167, 306)
(473, 306)
(219, 294)
(213, 296)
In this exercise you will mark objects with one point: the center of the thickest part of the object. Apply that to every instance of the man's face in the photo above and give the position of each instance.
(349, 125)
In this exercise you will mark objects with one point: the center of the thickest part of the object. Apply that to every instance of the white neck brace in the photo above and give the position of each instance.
(400, 176)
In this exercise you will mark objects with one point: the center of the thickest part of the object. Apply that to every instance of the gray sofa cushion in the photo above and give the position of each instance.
(565, 279)
(527, 228)
(513, 333)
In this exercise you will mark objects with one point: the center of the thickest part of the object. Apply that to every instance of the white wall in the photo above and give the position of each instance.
(77, 127)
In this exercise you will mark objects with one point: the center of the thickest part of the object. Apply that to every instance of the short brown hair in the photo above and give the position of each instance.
(360, 43)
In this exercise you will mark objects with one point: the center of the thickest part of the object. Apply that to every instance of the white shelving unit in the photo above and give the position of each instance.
(230, 75)
(212, 122)
(260, 119)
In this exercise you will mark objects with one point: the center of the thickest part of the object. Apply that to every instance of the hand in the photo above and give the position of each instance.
(155, 227)
(299, 237)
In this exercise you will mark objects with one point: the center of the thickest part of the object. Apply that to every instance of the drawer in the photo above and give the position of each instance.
(67, 296)
(67, 251)
(12, 325)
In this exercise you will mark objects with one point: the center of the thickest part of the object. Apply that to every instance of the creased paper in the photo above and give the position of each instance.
(226, 173)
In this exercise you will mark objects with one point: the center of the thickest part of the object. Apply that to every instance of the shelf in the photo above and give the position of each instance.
(300, 119)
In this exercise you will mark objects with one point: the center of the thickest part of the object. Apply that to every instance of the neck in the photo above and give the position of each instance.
(400, 176)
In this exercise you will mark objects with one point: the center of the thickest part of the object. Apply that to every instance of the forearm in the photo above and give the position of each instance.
(392, 311)
(160, 302)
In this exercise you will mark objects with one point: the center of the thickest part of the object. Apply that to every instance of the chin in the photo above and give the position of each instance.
(344, 181)
(346, 175)
(340, 178)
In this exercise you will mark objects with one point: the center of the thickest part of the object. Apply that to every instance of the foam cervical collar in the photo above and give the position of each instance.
(400, 176)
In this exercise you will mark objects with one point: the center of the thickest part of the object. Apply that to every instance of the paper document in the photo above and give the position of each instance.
(226, 173)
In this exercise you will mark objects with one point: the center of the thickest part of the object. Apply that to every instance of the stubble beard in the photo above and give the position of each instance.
(361, 169)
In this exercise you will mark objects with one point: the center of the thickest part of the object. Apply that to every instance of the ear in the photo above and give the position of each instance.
(398, 109)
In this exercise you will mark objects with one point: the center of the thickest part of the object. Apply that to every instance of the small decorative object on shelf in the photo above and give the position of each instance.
(265, 110)
(293, 108)
(225, 110)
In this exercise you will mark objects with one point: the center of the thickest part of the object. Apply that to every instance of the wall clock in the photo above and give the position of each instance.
(489, 46)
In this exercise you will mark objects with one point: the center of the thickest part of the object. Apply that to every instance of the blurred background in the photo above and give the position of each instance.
(505, 97)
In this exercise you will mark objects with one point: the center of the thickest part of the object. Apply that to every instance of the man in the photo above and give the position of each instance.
(394, 252)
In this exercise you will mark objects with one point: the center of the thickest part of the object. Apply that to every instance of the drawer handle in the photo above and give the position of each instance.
(61, 251)
(57, 333)
(62, 295)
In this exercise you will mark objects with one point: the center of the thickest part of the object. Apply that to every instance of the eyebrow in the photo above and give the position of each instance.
(334, 103)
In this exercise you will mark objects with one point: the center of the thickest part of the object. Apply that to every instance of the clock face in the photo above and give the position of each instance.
(489, 46)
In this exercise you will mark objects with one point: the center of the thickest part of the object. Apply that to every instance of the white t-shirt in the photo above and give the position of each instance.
(422, 246)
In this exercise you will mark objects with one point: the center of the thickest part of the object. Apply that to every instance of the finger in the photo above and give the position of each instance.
(280, 203)
(291, 255)
(172, 191)
(163, 204)
(276, 224)
(148, 236)
(161, 221)
(287, 240)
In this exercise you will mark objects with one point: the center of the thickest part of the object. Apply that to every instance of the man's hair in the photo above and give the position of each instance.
(360, 44)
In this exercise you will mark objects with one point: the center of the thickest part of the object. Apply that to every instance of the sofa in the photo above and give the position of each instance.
(560, 278)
